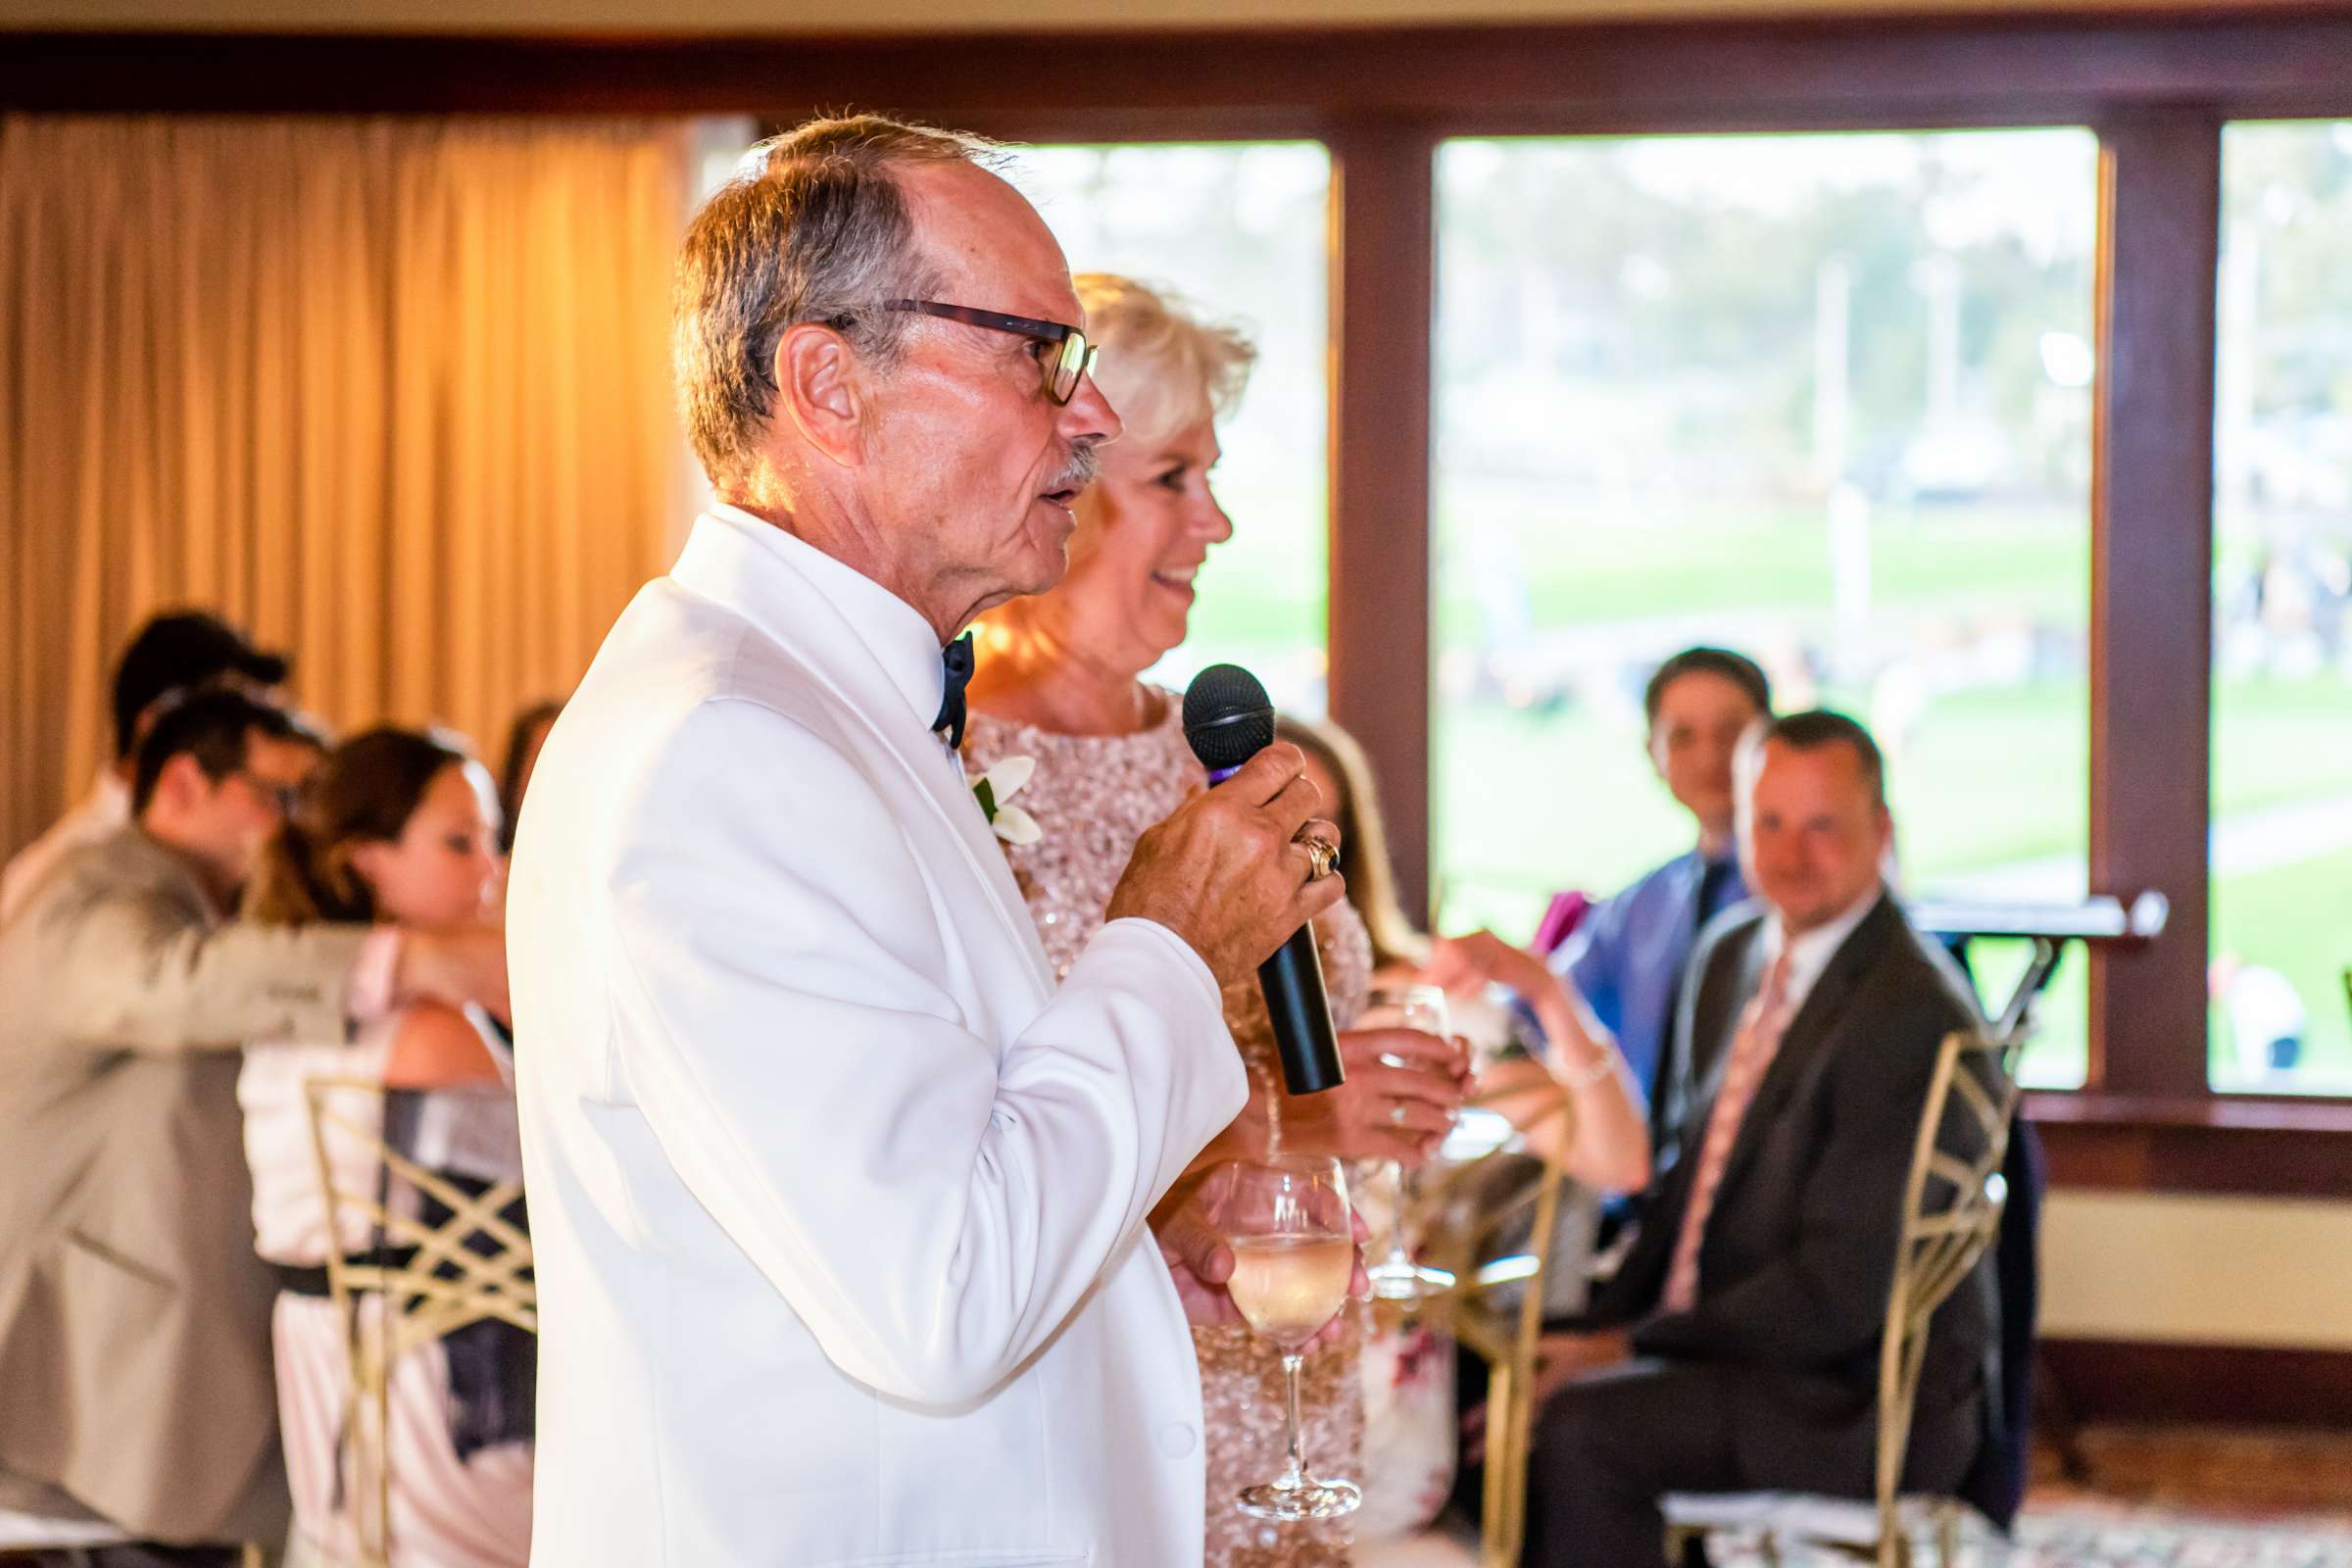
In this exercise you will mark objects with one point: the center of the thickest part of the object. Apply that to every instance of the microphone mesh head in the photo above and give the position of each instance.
(1228, 718)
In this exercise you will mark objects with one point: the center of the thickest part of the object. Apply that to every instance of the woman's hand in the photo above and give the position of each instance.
(1383, 1111)
(1607, 1139)
(1466, 965)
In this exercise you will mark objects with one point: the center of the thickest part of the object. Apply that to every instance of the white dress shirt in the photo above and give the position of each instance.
(838, 1202)
(1810, 953)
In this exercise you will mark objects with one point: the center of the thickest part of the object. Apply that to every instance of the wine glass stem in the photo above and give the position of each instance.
(1296, 1476)
(1398, 1258)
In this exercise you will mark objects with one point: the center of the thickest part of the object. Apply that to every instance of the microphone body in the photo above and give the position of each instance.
(1310, 1048)
(1227, 720)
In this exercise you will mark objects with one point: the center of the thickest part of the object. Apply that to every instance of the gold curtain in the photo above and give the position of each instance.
(391, 394)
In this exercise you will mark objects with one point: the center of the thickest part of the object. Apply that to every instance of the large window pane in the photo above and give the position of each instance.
(1822, 398)
(2281, 840)
(1240, 230)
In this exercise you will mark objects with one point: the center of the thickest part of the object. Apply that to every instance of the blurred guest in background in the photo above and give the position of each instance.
(524, 737)
(170, 653)
(396, 825)
(1627, 958)
(1352, 800)
(2267, 1018)
(1059, 683)
(130, 1293)
(1755, 1294)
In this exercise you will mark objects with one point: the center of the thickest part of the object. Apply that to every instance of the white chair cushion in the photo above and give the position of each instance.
(1840, 1521)
(27, 1531)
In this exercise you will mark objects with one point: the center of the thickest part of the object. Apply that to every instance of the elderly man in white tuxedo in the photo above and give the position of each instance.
(838, 1201)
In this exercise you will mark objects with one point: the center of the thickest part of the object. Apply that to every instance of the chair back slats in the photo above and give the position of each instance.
(424, 1279)
(1951, 1212)
(1464, 1218)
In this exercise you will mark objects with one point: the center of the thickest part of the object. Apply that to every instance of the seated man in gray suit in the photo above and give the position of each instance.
(1744, 1348)
(134, 1313)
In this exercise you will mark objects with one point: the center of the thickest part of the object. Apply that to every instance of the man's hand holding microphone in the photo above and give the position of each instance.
(1231, 870)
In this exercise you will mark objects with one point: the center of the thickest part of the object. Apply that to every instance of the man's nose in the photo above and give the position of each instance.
(1088, 415)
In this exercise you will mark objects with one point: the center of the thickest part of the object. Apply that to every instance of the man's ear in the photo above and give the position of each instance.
(181, 784)
(821, 388)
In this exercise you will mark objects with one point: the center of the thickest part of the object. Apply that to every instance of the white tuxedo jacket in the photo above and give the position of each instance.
(838, 1201)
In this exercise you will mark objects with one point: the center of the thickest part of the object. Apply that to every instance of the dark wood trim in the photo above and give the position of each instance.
(2206, 1385)
(2151, 586)
(2203, 1144)
(1383, 292)
(1691, 75)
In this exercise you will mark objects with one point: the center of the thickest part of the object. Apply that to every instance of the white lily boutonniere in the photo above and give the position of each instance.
(995, 790)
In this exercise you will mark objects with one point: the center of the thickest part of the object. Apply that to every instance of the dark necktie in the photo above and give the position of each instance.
(1713, 883)
(956, 657)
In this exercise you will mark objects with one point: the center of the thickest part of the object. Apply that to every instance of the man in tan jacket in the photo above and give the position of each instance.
(136, 1373)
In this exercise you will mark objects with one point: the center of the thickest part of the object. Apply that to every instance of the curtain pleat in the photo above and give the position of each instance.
(392, 394)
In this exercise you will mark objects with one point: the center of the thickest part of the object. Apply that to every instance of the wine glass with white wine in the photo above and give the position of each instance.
(1396, 1277)
(1293, 1253)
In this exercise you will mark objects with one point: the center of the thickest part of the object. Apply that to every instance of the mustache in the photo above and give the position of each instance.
(1078, 470)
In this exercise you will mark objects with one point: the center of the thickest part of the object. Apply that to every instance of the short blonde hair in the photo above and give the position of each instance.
(1162, 366)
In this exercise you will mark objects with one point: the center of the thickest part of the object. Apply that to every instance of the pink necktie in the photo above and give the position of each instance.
(1761, 1026)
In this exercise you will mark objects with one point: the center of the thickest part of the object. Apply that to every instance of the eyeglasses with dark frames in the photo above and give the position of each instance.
(1063, 370)
(282, 796)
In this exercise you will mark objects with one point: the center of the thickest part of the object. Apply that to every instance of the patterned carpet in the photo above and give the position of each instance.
(2066, 1533)
(2107, 1534)
(2140, 1498)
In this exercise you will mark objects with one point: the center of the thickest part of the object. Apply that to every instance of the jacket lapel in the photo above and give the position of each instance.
(1712, 1013)
(1811, 1030)
(753, 576)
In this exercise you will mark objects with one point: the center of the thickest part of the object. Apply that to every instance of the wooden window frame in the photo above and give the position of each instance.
(2156, 86)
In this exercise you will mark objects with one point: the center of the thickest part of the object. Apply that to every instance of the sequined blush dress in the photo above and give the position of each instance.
(1094, 796)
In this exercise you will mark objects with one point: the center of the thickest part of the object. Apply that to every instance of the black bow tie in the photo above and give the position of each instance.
(956, 657)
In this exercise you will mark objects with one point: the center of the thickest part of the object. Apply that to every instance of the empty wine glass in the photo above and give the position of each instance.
(1293, 1252)
(1396, 1277)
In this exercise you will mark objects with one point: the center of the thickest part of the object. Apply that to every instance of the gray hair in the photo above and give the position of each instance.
(812, 228)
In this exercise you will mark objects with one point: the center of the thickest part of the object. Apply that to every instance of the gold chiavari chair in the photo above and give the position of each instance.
(420, 1282)
(1466, 1214)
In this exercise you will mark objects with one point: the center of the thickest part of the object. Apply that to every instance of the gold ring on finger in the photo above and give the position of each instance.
(1322, 858)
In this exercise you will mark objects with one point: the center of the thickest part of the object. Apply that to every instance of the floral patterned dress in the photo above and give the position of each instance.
(1094, 796)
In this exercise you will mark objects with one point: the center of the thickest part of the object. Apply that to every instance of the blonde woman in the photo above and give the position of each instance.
(1059, 681)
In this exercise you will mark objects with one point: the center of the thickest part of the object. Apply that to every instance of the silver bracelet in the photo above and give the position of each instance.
(1603, 1067)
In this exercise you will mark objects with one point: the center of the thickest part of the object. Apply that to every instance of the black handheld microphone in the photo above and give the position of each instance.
(1227, 720)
